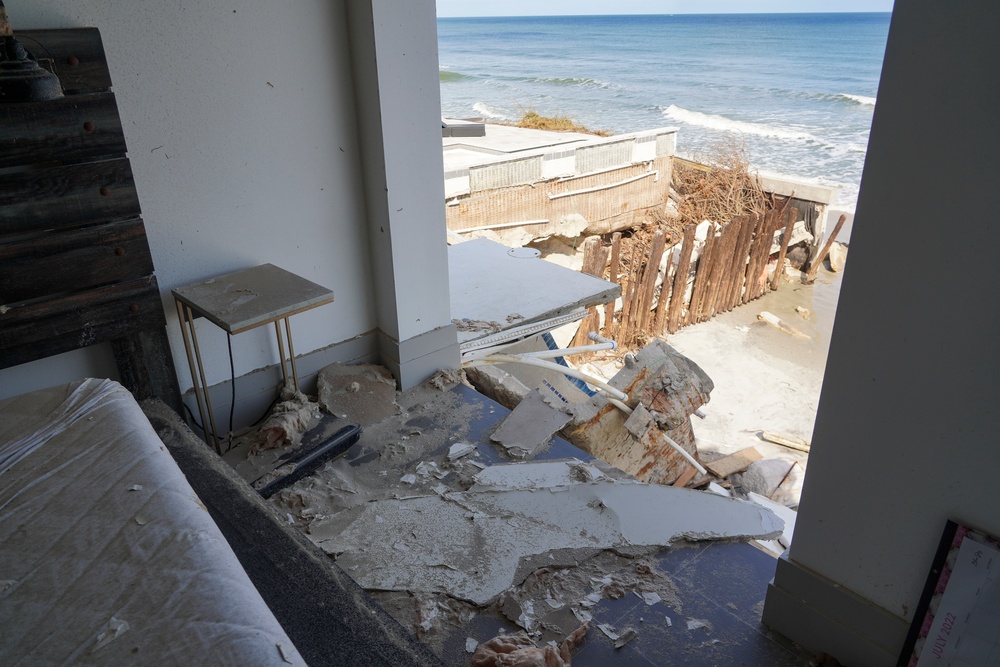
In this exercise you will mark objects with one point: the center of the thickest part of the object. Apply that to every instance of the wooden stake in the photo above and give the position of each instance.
(680, 280)
(609, 309)
(749, 279)
(740, 257)
(595, 258)
(661, 305)
(633, 278)
(702, 277)
(652, 271)
(786, 236)
(818, 262)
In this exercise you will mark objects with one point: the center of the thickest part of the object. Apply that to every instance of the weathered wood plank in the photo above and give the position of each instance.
(649, 285)
(46, 328)
(758, 256)
(146, 367)
(786, 236)
(72, 128)
(817, 261)
(737, 271)
(629, 297)
(734, 463)
(680, 280)
(77, 56)
(662, 304)
(595, 259)
(67, 196)
(77, 259)
(720, 271)
(702, 277)
(609, 308)
(743, 252)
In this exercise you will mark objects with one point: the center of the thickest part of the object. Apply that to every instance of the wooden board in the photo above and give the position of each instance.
(75, 266)
(58, 325)
(72, 128)
(734, 463)
(76, 56)
(67, 196)
(82, 258)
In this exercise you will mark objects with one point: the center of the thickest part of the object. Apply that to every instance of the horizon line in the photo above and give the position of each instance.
(546, 16)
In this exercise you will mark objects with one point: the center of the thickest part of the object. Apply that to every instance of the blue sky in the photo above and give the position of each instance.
(578, 7)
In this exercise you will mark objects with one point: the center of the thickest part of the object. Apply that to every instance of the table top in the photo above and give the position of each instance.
(504, 287)
(252, 297)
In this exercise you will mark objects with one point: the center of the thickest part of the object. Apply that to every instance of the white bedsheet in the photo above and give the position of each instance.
(107, 557)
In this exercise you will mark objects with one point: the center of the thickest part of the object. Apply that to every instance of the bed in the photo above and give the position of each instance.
(106, 553)
(123, 539)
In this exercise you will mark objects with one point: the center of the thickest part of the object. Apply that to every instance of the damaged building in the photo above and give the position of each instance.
(220, 138)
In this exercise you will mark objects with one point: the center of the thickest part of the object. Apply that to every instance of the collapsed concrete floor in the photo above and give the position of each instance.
(460, 543)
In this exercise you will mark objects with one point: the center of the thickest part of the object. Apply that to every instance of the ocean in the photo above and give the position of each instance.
(798, 90)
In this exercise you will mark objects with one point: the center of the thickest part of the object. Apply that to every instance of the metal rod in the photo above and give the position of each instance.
(291, 352)
(185, 322)
(281, 352)
(204, 383)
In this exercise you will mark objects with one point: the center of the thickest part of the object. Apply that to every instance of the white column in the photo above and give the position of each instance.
(395, 66)
(906, 432)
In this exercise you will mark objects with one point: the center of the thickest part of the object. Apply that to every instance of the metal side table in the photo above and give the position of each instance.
(237, 302)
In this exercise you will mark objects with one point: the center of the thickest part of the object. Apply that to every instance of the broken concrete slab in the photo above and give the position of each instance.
(470, 545)
(537, 475)
(530, 426)
(364, 393)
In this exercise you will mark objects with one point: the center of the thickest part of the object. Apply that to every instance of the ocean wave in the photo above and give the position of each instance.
(446, 76)
(570, 81)
(863, 100)
(487, 111)
(721, 123)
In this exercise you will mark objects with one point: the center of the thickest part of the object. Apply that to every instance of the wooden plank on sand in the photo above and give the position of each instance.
(734, 463)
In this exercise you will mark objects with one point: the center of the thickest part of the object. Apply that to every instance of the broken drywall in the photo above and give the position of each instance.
(470, 544)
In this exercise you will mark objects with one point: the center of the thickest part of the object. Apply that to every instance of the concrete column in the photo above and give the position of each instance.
(906, 432)
(395, 67)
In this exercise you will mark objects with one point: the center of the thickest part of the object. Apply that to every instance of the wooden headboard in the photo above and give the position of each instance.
(75, 266)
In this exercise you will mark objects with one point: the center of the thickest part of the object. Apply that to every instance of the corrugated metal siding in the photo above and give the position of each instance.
(505, 174)
(523, 202)
(603, 156)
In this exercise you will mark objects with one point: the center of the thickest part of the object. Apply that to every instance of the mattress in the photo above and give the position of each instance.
(107, 557)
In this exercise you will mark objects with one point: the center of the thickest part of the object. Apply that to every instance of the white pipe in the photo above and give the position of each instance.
(598, 188)
(502, 225)
(549, 354)
(497, 359)
(670, 441)
(687, 457)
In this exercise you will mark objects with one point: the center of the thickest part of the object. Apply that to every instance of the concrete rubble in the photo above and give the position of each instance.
(473, 545)
(665, 388)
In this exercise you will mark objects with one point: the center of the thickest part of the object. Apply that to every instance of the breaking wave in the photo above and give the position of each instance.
(723, 124)
(863, 100)
(571, 81)
(487, 111)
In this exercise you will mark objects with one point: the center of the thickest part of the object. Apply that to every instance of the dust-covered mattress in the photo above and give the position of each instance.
(106, 554)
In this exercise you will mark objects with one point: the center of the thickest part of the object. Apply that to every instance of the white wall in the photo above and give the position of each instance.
(241, 126)
(906, 432)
